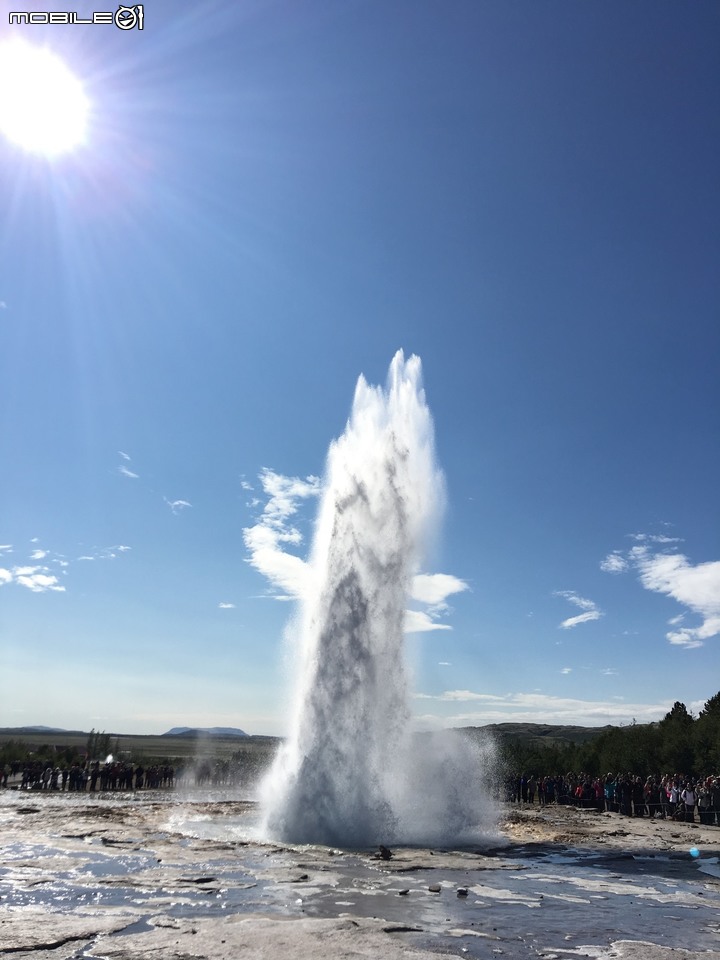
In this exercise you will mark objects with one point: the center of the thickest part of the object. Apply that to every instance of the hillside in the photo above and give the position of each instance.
(537, 734)
(205, 732)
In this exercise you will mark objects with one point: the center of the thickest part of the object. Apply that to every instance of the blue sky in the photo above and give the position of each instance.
(272, 198)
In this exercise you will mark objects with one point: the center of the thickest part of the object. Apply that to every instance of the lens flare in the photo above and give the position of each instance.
(43, 107)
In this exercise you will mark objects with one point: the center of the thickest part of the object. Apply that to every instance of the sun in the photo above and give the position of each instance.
(43, 107)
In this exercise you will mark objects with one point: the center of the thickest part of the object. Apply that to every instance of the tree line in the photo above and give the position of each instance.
(679, 743)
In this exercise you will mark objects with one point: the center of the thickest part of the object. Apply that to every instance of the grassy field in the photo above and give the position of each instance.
(148, 749)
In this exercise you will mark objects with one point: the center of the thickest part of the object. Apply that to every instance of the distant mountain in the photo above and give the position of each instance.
(35, 729)
(205, 731)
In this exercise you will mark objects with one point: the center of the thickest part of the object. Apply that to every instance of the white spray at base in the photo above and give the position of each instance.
(351, 773)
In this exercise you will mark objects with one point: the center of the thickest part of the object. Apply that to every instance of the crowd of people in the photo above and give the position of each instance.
(673, 796)
(92, 776)
(112, 775)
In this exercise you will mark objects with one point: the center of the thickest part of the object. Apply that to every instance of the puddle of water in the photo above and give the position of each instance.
(533, 899)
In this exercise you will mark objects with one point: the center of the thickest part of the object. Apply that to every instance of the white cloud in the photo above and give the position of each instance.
(177, 505)
(37, 579)
(124, 455)
(695, 586)
(282, 569)
(246, 486)
(128, 473)
(589, 608)
(264, 540)
(435, 588)
(566, 670)
(418, 621)
(431, 589)
(40, 582)
(226, 606)
(38, 554)
(580, 618)
(6, 548)
(614, 563)
(444, 663)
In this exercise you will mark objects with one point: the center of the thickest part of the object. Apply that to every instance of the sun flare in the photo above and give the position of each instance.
(43, 107)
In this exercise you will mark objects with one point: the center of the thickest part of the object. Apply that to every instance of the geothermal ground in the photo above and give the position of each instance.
(182, 877)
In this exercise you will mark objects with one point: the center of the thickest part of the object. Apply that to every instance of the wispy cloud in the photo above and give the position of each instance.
(614, 562)
(566, 670)
(41, 578)
(460, 696)
(106, 553)
(659, 538)
(537, 707)
(126, 471)
(177, 506)
(695, 586)
(589, 608)
(226, 606)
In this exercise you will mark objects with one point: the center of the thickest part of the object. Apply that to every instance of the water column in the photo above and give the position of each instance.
(347, 775)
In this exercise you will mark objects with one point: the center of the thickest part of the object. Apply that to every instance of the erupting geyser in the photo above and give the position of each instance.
(351, 772)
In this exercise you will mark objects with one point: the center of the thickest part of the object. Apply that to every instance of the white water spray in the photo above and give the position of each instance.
(351, 773)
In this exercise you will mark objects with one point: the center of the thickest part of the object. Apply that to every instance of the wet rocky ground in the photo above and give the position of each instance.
(140, 876)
